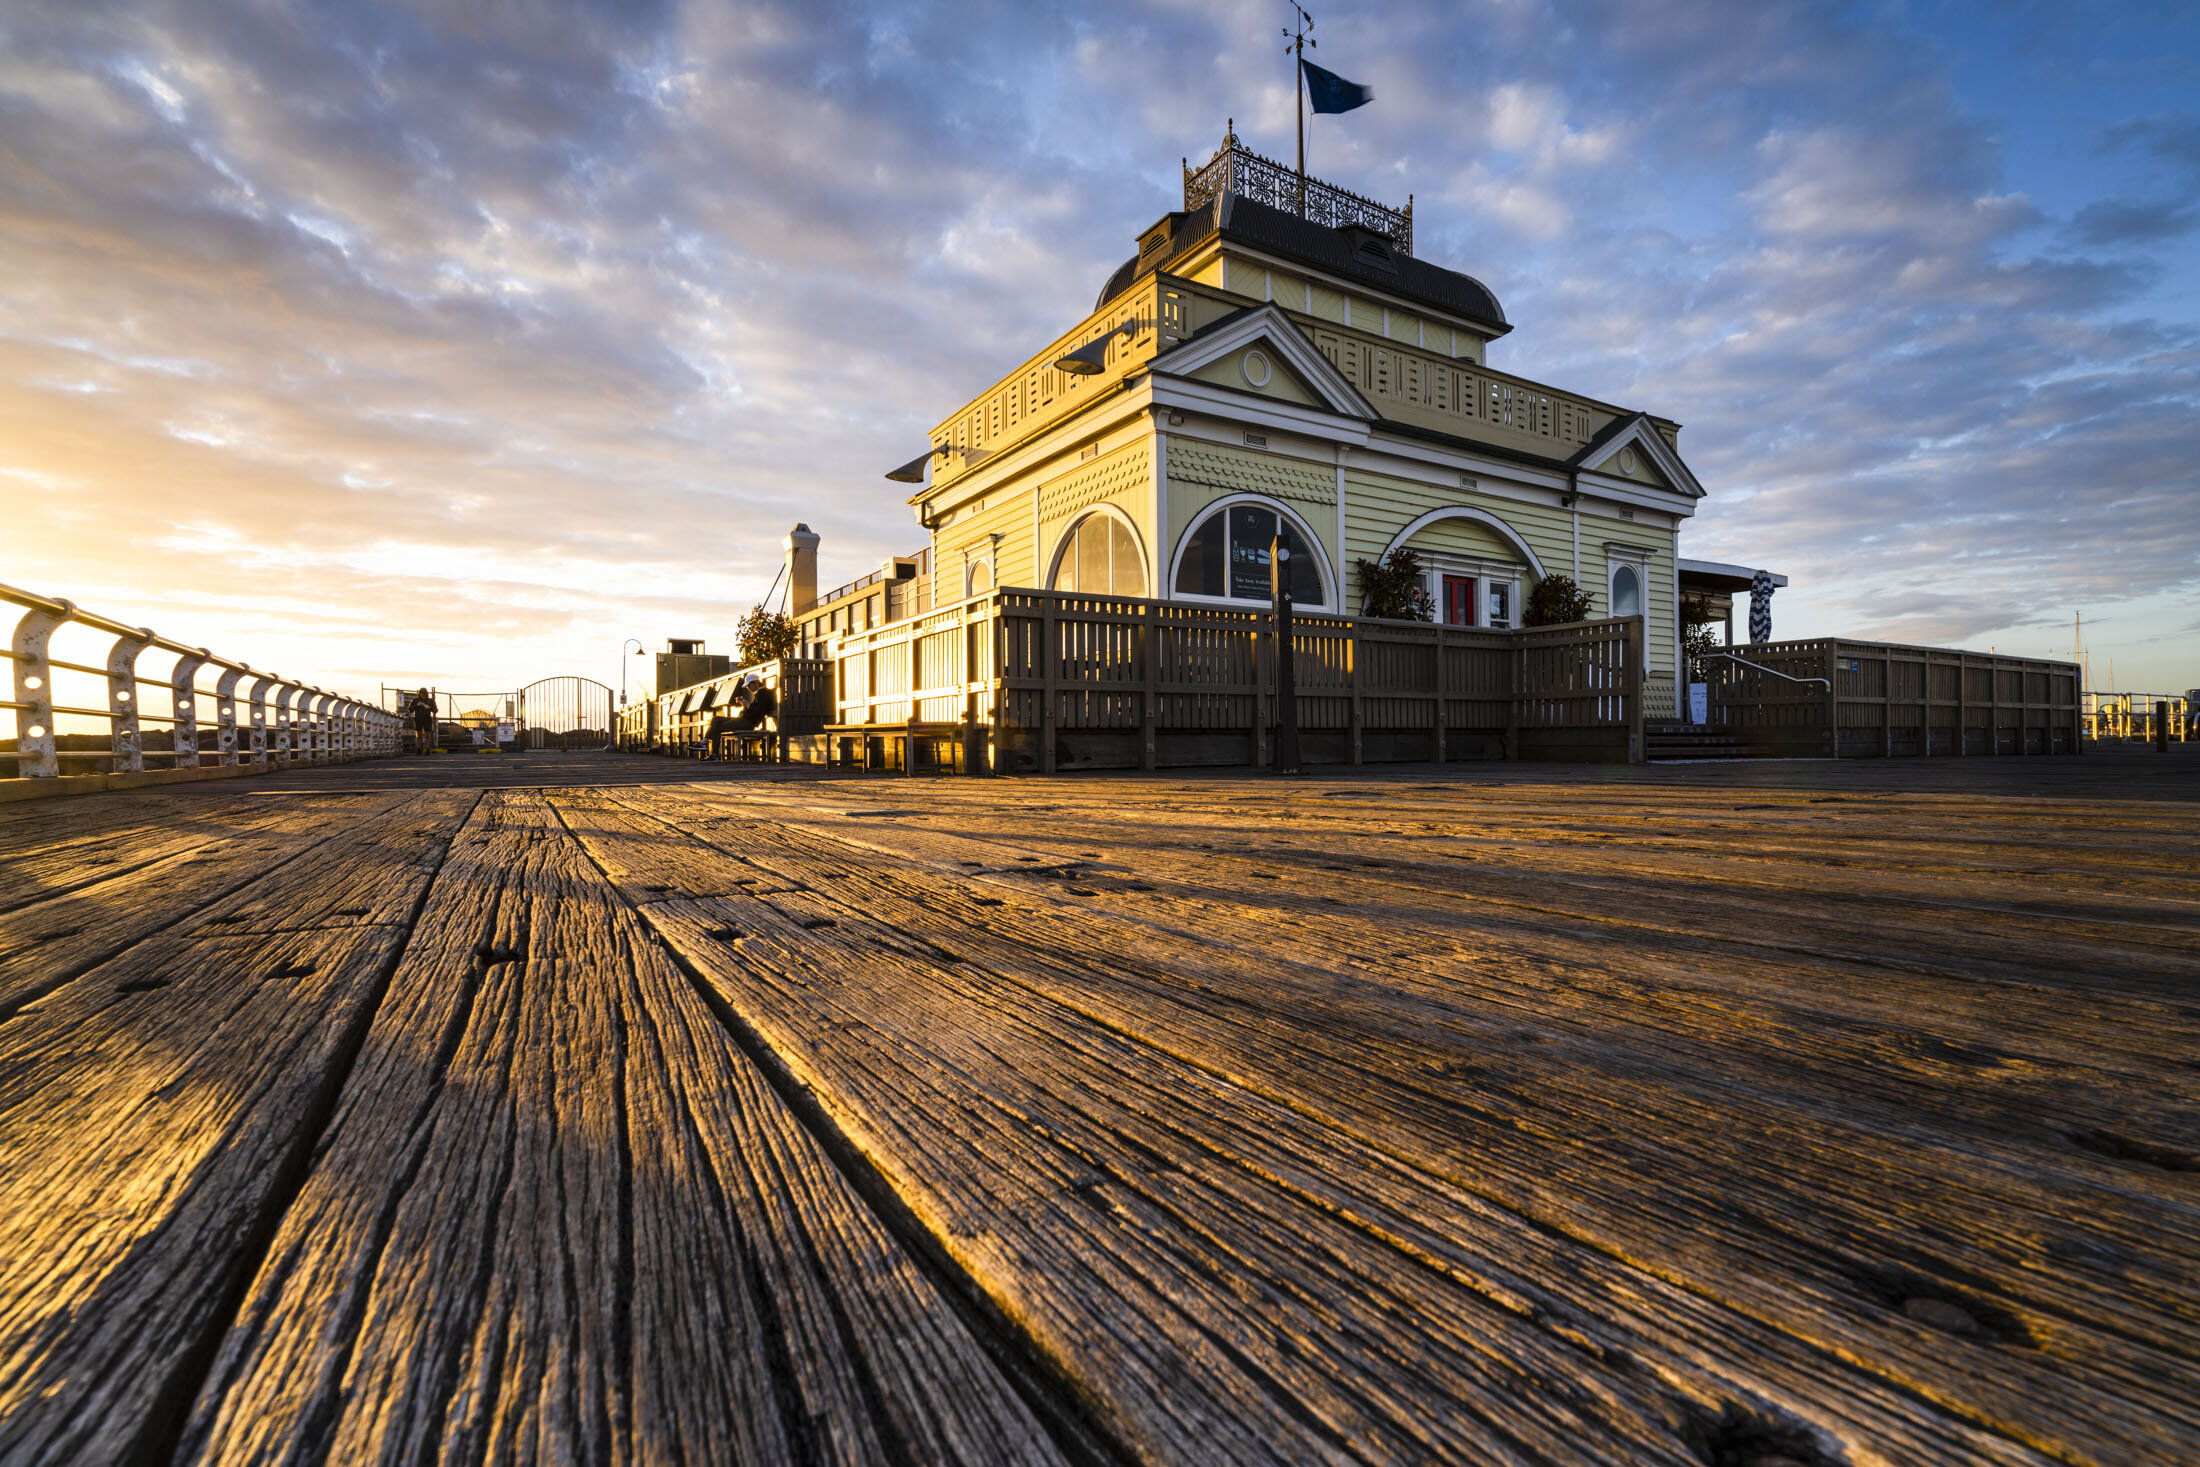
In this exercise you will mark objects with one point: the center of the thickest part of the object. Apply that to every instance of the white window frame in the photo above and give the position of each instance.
(1632, 558)
(1312, 541)
(1069, 531)
(1438, 564)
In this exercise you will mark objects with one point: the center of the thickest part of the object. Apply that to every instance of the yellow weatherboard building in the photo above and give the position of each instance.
(1276, 359)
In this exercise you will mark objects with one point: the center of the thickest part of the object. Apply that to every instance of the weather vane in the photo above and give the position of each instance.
(1331, 92)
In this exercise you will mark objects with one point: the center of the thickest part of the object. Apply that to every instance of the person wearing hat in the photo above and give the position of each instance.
(757, 703)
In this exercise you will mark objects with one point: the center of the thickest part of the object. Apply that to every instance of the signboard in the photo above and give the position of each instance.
(507, 731)
(1699, 703)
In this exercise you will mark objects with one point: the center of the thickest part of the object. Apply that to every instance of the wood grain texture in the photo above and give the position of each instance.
(614, 1110)
(152, 1113)
(559, 1216)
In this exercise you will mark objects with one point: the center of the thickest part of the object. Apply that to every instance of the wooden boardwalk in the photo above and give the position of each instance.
(592, 1109)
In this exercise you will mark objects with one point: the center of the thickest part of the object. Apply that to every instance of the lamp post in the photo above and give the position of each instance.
(1287, 691)
(636, 644)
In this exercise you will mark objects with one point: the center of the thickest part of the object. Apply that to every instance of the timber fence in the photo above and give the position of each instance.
(1017, 680)
(1837, 698)
(258, 720)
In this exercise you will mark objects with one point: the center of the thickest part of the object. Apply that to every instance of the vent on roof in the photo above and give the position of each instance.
(1370, 246)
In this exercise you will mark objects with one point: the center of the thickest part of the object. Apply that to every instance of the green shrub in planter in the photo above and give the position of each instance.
(1556, 600)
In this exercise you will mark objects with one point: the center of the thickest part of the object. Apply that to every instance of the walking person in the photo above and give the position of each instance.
(421, 707)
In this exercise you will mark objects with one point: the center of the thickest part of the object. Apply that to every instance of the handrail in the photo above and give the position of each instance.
(1825, 683)
(311, 725)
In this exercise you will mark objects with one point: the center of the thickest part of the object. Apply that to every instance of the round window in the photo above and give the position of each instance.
(1627, 460)
(1256, 369)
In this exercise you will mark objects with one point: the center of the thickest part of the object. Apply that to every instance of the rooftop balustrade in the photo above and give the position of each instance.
(1237, 169)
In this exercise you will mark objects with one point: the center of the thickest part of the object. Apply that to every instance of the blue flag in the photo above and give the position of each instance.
(1330, 92)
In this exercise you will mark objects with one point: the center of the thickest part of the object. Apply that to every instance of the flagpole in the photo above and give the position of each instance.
(1297, 52)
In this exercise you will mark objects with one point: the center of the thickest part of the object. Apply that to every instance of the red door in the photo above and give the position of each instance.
(1459, 601)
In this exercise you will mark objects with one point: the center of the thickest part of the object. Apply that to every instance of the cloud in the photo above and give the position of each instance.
(481, 338)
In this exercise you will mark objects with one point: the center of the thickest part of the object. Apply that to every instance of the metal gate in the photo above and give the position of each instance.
(568, 713)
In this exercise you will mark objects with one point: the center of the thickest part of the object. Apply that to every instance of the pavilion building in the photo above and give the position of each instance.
(1276, 359)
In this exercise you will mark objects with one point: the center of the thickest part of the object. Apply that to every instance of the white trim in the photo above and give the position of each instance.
(1266, 322)
(1641, 434)
(1341, 452)
(1613, 565)
(1160, 493)
(1505, 532)
(1330, 596)
(1241, 408)
(1078, 517)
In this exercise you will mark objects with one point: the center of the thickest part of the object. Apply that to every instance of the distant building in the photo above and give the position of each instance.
(1272, 362)
(684, 662)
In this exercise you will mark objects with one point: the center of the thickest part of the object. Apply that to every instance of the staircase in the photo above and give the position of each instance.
(1666, 741)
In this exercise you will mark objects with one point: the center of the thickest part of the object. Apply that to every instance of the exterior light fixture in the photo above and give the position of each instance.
(912, 472)
(1091, 359)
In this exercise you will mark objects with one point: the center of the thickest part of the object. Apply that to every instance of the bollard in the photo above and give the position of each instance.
(2161, 726)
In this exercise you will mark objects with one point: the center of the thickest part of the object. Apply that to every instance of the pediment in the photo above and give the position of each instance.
(1260, 351)
(1632, 448)
(1259, 368)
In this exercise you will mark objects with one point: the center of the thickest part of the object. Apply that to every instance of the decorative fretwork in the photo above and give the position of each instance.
(1239, 170)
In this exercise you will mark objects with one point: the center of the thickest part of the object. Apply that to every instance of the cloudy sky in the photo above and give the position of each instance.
(463, 341)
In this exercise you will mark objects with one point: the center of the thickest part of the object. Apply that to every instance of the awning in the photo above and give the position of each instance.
(1717, 576)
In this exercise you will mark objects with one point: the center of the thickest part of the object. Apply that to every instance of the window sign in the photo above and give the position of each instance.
(1227, 555)
(1501, 602)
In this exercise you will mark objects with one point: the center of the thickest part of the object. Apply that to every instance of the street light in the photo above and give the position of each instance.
(636, 644)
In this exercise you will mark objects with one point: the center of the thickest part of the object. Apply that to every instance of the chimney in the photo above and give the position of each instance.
(801, 548)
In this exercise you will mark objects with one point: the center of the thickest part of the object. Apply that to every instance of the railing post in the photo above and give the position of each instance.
(1638, 647)
(125, 737)
(34, 736)
(259, 717)
(1049, 645)
(282, 722)
(1437, 719)
(184, 701)
(225, 713)
(1149, 657)
(1352, 671)
(324, 720)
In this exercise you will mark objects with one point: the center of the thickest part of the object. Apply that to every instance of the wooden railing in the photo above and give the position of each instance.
(675, 721)
(258, 720)
(1879, 699)
(1061, 680)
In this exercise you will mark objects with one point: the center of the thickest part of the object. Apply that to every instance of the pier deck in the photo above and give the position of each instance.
(598, 1109)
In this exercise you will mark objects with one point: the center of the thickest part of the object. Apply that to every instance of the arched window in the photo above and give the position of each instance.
(1626, 591)
(978, 577)
(1227, 555)
(1100, 558)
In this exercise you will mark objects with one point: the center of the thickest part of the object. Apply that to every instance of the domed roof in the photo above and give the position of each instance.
(1119, 282)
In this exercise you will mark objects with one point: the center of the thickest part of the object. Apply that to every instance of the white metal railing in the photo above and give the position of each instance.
(1760, 667)
(287, 721)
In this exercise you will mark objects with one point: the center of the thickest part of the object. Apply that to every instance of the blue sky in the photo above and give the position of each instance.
(464, 342)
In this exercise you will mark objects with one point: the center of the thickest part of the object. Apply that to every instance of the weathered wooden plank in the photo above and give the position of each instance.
(1894, 1204)
(873, 1010)
(154, 1114)
(70, 846)
(559, 1215)
(44, 943)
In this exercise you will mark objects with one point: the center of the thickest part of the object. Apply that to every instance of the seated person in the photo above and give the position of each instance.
(756, 703)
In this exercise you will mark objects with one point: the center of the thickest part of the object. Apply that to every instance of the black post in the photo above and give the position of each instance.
(2161, 726)
(1287, 692)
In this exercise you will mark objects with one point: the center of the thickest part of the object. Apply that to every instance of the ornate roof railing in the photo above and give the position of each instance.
(1239, 170)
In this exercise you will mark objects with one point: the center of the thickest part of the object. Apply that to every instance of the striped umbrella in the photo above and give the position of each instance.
(1760, 607)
